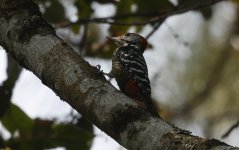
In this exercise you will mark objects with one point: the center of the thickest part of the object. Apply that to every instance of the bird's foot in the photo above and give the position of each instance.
(98, 67)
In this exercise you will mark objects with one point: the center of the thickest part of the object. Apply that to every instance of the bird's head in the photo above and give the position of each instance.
(130, 39)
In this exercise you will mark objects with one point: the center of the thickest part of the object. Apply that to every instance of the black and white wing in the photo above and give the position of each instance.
(134, 64)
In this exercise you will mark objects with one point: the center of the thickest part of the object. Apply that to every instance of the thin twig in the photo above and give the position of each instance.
(83, 40)
(154, 16)
(230, 129)
(156, 26)
(176, 36)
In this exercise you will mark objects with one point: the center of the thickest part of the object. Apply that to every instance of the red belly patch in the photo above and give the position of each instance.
(132, 89)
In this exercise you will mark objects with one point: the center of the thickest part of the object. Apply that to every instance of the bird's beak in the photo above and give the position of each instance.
(115, 39)
(118, 40)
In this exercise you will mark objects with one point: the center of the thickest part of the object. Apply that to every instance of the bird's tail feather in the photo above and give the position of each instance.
(152, 107)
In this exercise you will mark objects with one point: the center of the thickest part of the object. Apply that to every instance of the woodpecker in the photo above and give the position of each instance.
(130, 70)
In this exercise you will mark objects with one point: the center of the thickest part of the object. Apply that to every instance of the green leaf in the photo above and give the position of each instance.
(72, 137)
(206, 12)
(159, 6)
(55, 12)
(122, 7)
(76, 28)
(104, 1)
(84, 8)
(47, 134)
(15, 119)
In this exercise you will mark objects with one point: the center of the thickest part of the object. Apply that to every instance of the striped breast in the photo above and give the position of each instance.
(132, 72)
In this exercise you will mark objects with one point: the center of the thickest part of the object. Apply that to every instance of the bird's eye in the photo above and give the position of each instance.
(127, 34)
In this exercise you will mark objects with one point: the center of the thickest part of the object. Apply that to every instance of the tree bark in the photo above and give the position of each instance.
(33, 43)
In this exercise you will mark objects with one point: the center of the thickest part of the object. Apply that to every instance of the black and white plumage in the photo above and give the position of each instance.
(130, 69)
(127, 60)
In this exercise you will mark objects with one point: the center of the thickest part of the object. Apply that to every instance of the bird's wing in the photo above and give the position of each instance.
(135, 65)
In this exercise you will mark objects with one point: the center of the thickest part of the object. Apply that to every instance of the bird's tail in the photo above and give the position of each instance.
(152, 107)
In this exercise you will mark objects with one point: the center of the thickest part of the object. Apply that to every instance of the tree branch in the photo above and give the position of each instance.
(230, 129)
(154, 16)
(26, 36)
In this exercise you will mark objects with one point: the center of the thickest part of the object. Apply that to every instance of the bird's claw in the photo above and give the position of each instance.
(98, 67)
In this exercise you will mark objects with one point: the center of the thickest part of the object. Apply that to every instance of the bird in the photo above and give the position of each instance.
(130, 69)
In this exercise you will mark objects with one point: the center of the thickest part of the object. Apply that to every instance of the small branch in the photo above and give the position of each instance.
(176, 36)
(83, 40)
(100, 21)
(154, 16)
(230, 129)
(155, 28)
